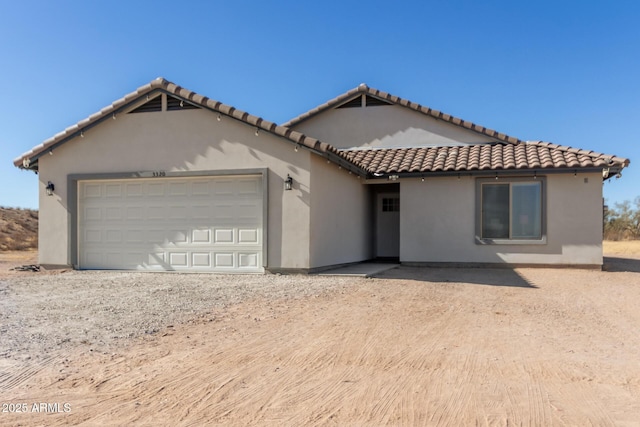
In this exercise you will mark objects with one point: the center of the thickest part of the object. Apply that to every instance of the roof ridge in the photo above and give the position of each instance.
(363, 88)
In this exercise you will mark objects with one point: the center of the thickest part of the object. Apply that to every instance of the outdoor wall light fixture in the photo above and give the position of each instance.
(50, 187)
(393, 177)
(288, 183)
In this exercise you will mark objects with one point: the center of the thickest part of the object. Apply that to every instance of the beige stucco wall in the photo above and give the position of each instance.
(341, 215)
(190, 140)
(437, 223)
(385, 127)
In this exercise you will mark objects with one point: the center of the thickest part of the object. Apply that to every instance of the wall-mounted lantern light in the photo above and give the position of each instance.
(288, 183)
(50, 187)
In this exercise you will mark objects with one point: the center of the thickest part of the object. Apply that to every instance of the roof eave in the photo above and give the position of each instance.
(498, 173)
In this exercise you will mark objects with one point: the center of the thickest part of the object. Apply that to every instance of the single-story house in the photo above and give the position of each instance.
(167, 179)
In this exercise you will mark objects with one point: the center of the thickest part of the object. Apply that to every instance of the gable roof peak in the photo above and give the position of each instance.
(29, 159)
(392, 99)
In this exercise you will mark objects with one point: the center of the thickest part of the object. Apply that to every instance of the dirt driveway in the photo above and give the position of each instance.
(412, 347)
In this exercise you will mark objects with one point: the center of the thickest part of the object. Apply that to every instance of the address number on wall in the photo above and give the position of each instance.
(158, 173)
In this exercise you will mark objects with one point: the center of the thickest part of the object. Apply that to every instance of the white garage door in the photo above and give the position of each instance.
(194, 224)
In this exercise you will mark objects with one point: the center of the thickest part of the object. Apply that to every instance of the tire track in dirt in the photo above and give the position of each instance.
(573, 394)
(538, 399)
(19, 373)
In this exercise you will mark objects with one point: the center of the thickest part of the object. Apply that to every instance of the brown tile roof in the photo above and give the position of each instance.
(512, 154)
(28, 160)
(363, 88)
(479, 157)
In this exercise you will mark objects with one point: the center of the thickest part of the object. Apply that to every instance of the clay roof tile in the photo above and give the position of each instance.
(509, 161)
(530, 155)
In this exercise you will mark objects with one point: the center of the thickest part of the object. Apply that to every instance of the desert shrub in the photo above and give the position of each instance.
(18, 229)
(622, 222)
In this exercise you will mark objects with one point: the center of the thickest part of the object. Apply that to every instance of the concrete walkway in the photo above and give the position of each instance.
(363, 269)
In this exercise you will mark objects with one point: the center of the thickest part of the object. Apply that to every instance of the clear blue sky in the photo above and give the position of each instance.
(561, 71)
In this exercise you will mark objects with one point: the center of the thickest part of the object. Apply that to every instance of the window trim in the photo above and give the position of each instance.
(509, 180)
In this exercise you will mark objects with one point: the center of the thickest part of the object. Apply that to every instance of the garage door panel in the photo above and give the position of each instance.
(201, 236)
(93, 214)
(93, 258)
(134, 213)
(155, 190)
(113, 214)
(223, 235)
(177, 189)
(223, 187)
(177, 212)
(113, 258)
(134, 236)
(201, 260)
(178, 259)
(222, 211)
(92, 190)
(114, 236)
(157, 259)
(201, 212)
(156, 236)
(134, 189)
(248, 259)
(93, 236)
(199, 223)
(247, 187)
(178, 237)
(224, 259)
(156, 213)
(113, 190)
(248, 235)
(200, 188)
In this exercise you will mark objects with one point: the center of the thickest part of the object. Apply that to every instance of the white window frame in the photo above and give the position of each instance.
(511, 241)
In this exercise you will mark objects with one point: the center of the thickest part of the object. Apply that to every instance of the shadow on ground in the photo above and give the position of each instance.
(478, 276)
(617, 264)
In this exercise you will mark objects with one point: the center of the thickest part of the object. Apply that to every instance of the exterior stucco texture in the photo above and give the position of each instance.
(180, 141)
(349, 167)
(438, 220)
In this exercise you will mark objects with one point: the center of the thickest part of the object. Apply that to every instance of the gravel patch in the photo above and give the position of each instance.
(41, 314)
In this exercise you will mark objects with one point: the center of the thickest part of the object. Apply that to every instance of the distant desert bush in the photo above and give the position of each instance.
(622, 222)
(18, 229)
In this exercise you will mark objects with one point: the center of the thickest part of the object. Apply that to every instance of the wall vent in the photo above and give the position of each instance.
(174, 104)
(354, 103)
(369, 101)
(153, 105)
(374, 102)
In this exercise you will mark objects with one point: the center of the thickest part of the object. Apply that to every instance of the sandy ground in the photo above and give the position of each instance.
(629, 247)
(411, 347)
